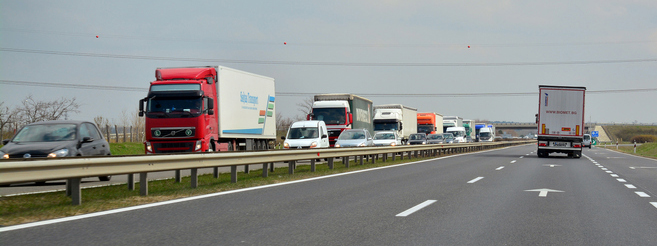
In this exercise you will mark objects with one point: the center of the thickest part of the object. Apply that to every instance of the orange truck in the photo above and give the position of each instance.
(429, 123)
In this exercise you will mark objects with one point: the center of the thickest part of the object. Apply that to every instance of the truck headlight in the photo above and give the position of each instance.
(149, 148)
(59, 153)
(198, 145)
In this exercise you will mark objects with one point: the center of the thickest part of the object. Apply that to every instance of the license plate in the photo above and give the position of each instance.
(560, 144)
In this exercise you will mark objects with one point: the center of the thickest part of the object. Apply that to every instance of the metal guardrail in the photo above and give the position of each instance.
(73, 169)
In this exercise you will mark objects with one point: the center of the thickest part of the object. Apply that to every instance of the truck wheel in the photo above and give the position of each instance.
(211, 147)
(577, 154)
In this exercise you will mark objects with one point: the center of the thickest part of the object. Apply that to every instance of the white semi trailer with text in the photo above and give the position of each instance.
(560, 120)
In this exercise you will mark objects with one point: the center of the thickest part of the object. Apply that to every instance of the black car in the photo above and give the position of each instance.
(51, 139)
(417, 138)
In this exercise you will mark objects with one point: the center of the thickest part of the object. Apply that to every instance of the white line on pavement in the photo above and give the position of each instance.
(630, 186)
(475, 180)
(621, 180)
(499, 168)
(642, 194)
(416, 208)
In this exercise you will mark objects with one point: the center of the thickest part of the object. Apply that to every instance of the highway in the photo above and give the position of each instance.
(500, 197)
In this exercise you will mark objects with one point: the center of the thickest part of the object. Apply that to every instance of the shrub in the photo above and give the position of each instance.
(643, 138)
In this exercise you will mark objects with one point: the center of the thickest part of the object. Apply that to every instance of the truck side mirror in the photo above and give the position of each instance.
(351, 119)
(141, 107)
(210, 112)
(324, 136)
(210, 103)
(401, 126)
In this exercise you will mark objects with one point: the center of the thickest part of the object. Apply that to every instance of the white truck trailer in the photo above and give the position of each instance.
(396, 117)
(560, 120)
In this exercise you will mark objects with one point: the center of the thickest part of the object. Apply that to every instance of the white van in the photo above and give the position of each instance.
(306, 134)
(486, 134)
(459, 134)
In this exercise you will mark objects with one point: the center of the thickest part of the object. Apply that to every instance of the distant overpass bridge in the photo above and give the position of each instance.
(528, 126)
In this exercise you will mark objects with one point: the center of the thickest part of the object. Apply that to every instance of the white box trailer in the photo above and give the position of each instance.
(400, 118)
(246, 105)
(560, 120)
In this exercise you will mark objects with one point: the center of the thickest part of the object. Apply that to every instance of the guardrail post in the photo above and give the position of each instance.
(246, 168)
(143, 184)
(312, 165)
(215, 172)
(131, 181)
(290, 167)
(360, 159)
(374, 158)
(76, 192)
(384, 157)
(233, 174)
(410, 155)
(345, 161)
(401, 156)
(194, 177)
(271, 167)
(178, 177)
(330, 162)
(264, 170)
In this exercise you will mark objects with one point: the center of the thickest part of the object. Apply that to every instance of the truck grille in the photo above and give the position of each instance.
(334, 133)
(173, 147)
(182, 132)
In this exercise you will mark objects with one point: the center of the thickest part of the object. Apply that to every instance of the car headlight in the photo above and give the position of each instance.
(362, 145)
(337, 145)
(424, 142)
(393, 144)
(313, 144)
(4, 155)
(286, 145)
(59, 153)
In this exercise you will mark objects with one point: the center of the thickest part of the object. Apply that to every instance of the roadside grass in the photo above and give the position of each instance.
(646, 150)
(623, 133)
(45, 206)
(127, 148)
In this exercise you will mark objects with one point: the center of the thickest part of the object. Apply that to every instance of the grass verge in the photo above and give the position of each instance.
(36, 207)
(646, 150)
(127, 148)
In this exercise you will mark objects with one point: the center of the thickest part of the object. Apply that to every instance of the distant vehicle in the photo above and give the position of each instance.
(354, 138)
(452, 121)
(437, 138)
(587, 141)
(486, 134)
(395, 117)
(560, 120)
(306, 134)
(468, 139)
(387, 138)
(429, 123)
(499, 138)
(53, 139)
(417, 138)
(449, 138)
(341, 112)
(469, 126)
(459, 134)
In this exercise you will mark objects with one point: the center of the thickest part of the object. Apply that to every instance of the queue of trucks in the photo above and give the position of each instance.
(215, 108)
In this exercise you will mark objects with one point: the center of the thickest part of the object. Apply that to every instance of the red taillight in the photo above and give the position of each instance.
(542, 144)
(577, 145)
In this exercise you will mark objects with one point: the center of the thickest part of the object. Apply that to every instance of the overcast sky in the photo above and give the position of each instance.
(442, 49)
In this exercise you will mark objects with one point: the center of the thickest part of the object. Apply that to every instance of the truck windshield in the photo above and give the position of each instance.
(484, 134)
(175, 107)
(332, 116)
(425, 128)
(303, 132)
(458, 133)
(386, 126)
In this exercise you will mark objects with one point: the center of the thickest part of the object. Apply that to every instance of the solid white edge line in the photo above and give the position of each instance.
(475, 180)
(416, 208)
(120, 210)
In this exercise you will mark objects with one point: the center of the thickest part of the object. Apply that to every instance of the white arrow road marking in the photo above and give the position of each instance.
(543, 192)
(629, 186)
(499, 168)
(642, 194)
(475, 180)
(416, 208)
(621, 180)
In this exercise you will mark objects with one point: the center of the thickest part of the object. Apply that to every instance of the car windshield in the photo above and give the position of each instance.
(46, 133)
(174, 107)
(346, 135)
(448, 135)
(303, 132)
(331, 116)
(417, 137)
(435, 137)
(380, 136)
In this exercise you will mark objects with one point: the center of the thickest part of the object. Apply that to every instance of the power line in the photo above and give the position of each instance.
(346, 64)
(300, 94)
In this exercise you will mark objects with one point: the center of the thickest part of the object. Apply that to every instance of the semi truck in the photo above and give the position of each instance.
(452, 121)
(560, 120)
(470, 129)
(341, 112)
(429, 123)
(396, 117)
(211, 108)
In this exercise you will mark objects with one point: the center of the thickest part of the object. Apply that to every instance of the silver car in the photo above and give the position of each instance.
(386, 138)
(587, 141)
(436, 138)
(354, 138)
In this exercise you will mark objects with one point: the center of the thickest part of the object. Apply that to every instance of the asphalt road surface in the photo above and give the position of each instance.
(500, 197)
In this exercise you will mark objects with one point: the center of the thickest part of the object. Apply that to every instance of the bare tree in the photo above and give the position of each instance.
(101, 121)
(305, 106)
(32, 110)
(7, 117)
